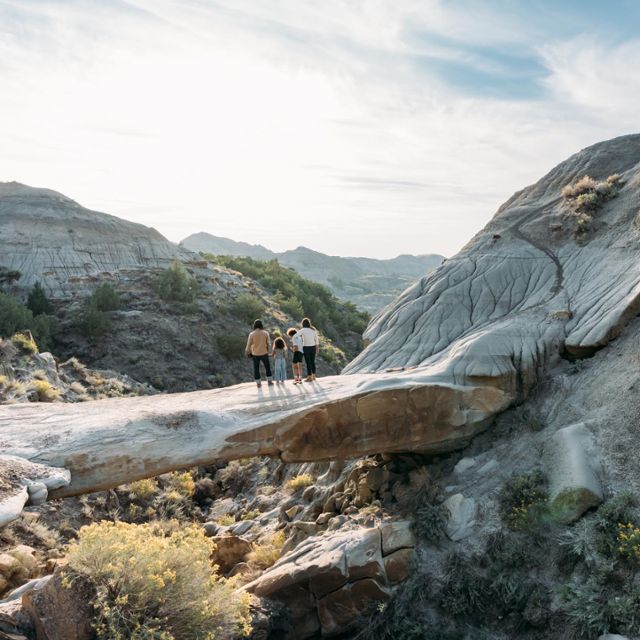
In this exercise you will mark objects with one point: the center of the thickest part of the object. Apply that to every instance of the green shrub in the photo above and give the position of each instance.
(106, 298)
(15, 317)
(156, 581)
(247, 308)
(175, 284)
(464, 590)
(25, 343)
(93, 323)
(7, 276)
(430, 521)
(333, 317)
(37, 302)
(231, 346)
(621, 509)
(523, 501)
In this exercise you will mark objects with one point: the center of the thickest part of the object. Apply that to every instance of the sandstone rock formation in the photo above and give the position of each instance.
(328, 581)
(52, 239)
(106, 443)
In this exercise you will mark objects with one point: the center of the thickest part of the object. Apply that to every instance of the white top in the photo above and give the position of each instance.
(309, 336)
(297, 342)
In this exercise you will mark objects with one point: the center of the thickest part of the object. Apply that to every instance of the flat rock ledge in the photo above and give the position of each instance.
(327, 582)
(107, 443)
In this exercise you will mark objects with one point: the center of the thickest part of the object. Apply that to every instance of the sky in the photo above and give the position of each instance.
(353, 127)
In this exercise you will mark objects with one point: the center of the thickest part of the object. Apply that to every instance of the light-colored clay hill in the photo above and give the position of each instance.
(51, 238)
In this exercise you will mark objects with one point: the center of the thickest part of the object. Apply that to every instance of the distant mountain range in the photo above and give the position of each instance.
(369, 283)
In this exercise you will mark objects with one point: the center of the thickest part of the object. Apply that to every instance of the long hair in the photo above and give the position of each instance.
(258, 324)
(278, 343)
(306, 323)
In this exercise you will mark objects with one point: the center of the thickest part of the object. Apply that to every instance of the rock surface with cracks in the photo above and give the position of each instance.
(107, 443)
(527, 287)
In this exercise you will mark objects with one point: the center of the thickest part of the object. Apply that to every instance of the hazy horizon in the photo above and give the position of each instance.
(356, 129)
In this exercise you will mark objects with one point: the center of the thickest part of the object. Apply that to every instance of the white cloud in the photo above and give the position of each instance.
(261, 121)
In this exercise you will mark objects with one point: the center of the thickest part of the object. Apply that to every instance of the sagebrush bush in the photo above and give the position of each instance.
(175, 284)
(268, 553)
(92, 322)
(231, 346)
(430, 521)
(247, 308)
(523, 500)
(299, 482)
(106, 298)
(156, 581)
(143, 489)
(621, 509)
(25, 343)
(44, 391)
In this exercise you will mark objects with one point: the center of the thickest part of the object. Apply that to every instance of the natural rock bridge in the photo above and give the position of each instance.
(106, 443)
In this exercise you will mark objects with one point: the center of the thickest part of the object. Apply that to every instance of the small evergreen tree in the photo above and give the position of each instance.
(175, 284)
(94, 322)
(38, 302)
(106, 298)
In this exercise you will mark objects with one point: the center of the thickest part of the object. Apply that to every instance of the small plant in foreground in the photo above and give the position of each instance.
(143, 489)
(430, 522)
(266, 554)
(156, 581)
(523, 500)
(25, 342)
(44, 391)
(299, 482)
(629, 541)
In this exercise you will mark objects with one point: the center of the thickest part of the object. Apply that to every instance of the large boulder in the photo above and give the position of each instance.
(570, 460)
(328, 581)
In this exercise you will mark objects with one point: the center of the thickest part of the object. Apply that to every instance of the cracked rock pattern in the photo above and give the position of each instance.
(527, 287)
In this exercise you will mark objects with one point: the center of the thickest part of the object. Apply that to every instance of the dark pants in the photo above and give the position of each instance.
(310, 359)
(256, 366)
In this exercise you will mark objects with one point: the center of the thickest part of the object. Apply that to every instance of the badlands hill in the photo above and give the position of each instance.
(369, 283)
(493, 489)
(50, 238)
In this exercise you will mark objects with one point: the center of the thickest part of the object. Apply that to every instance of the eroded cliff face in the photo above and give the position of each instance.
(546, 275)
(52, 239)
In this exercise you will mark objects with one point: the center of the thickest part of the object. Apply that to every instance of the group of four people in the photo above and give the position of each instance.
(304, 344)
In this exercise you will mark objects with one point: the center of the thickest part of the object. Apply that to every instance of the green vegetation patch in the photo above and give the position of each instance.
(298, 296)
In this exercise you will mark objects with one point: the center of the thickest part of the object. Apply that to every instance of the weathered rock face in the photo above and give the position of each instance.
(107, 443)
(328, 581)
(49, 237)
(529, 285)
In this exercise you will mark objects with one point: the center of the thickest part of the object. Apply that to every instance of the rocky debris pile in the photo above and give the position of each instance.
(328, 582)
(29, 376)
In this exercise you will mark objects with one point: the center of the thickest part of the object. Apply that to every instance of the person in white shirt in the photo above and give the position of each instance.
(296, 348)
(310, 348)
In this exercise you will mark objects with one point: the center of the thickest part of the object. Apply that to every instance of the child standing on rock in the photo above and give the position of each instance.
(296, 347)
(279, 360)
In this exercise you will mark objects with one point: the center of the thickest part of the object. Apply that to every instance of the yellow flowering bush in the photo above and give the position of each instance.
(267, 554)
(156, 581)
(299, 482)
(629, 541)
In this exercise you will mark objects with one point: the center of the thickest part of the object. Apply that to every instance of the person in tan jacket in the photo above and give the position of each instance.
(258, 348)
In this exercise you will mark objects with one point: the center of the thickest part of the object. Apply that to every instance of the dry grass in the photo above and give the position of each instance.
(267, 554)
(299, 482)
(44, 391)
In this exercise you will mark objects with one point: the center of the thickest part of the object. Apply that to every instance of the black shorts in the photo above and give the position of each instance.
(297, 357)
